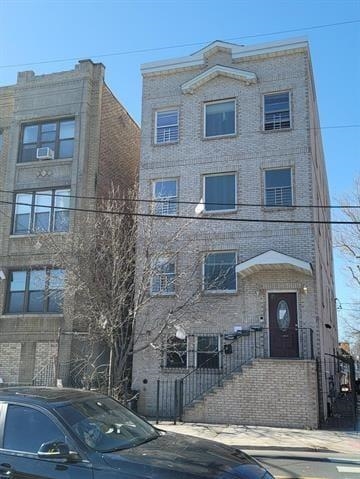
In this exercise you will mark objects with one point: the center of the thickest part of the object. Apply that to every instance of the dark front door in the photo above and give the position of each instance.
(284, 341)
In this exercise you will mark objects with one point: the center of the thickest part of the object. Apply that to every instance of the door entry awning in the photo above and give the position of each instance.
(272, 261)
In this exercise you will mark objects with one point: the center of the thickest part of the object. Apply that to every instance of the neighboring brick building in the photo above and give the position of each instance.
(236, 129)
(64, 137)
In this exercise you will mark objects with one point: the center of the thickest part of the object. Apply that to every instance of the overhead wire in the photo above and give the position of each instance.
(195, 203)
(183, 45)
(177, 202)
(191, 217)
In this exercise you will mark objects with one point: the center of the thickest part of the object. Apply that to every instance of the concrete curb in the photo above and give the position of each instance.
(271, 439)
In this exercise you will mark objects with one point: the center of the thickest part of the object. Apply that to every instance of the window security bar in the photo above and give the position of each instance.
(278, 196)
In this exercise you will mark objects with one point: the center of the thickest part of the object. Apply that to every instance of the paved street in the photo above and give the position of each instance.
(312, 465)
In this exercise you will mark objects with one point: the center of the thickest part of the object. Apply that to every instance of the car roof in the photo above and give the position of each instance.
(44, 395)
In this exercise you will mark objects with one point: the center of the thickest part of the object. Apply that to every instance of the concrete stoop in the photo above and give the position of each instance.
(266, 392)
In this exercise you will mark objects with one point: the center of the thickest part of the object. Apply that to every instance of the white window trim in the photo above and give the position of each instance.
(197, 350)
(228, 210)
(218, 291)
(165, 198)
(291, 184)
(163, 110)
(168, 259)
(235, 118)
(290, 110)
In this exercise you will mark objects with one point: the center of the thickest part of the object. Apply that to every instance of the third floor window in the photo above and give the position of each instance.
(54, 138)
(219, 119)
(277, 111)
(41, 211)
(167, 127)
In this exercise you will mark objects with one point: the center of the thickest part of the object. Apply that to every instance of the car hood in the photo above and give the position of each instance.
(177, 456)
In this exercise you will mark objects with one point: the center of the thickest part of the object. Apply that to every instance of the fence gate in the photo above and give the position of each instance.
(337, 392)
(169, 400)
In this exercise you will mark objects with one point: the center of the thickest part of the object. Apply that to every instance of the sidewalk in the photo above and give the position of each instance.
(271, 438)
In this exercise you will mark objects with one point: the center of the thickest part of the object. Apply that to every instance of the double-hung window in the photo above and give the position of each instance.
(220, 192)
(219, 273)
(57, 136)
(278, 190)
(167, 126)
(176, 352)
(219, 118)
(36, 291)
(165, 194)
(208, 354)
(277, 111)
(163, 278)
(41, 211)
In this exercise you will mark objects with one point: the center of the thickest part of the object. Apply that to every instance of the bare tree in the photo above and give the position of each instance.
(347, 241)
(106, 290)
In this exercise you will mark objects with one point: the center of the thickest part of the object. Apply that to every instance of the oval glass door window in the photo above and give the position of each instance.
(283, 315)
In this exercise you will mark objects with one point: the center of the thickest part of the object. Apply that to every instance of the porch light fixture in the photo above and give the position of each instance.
(2, 274)
(305, 289)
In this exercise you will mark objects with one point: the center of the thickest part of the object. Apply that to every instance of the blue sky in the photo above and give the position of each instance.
(33, 31)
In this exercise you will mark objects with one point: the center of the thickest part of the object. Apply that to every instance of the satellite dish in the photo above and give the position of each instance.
(200, 207)
(180, 332)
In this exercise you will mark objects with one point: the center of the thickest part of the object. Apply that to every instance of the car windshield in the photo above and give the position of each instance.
(105, 425)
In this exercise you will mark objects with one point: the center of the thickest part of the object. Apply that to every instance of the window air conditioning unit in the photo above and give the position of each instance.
(44, 153)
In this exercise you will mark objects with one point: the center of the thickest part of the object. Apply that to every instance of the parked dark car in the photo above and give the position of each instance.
(72, 434)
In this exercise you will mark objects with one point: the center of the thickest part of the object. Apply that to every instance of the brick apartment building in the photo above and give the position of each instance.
(235, 129)
(64, 136)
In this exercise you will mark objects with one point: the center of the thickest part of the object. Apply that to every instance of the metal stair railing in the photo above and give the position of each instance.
(237, 350)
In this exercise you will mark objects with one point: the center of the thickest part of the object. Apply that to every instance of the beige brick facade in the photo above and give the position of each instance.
(271, 68)
(106, 148)
(283, 394)
(10, 362)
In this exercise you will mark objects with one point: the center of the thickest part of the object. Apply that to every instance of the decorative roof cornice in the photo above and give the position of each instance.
(198, 58)
(216, 46)
(213, 72)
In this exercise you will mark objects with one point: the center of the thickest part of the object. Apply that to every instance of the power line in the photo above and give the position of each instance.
(177, 202)
(205, 218)
(350, 309)
(169, 47)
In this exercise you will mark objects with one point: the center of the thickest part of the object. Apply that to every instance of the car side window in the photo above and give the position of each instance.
(27, 428)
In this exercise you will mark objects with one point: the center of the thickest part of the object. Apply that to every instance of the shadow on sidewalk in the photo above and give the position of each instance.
(343, 417)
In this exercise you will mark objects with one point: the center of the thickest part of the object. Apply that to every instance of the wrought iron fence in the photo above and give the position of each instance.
(337, 392)
(46, 375)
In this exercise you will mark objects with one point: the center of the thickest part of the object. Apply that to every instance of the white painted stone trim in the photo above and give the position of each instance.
(213, 72)
(272, 259)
